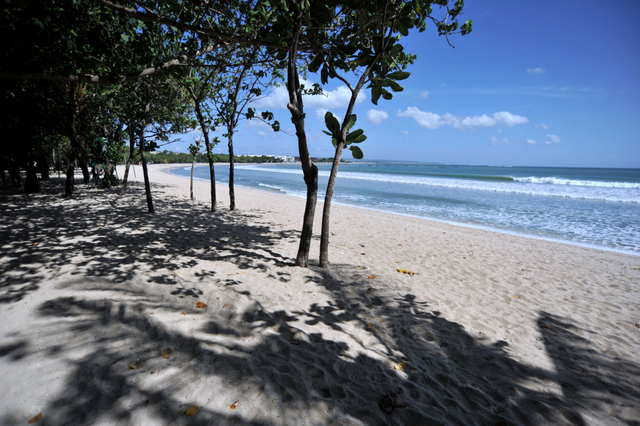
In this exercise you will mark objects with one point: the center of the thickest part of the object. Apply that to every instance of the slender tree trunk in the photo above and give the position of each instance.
(31, 184)
(232, 193)
(193, 164)
(73, 136)
(207, 143)
(132, 148)
(326, 210)
(147, 185)
(70, 182)
(309, 169)
(43, 167)
(85, 170)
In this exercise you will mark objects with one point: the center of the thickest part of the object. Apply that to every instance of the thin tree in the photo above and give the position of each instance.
(194, 150)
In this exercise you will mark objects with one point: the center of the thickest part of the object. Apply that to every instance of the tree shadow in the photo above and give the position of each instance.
(335, 362)
(111, 236)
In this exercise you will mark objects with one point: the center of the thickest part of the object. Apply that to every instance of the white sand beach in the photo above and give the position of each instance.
(99, 323)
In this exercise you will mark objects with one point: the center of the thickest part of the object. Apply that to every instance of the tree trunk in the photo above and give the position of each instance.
(147, 185)
(43, 167)
(326, 210)
(73, 136)
(207, 142)
(232, 193)
(70, 183)
(309, 169)
(193, 164)
(85, 170)
(31, 184)
(132, 148)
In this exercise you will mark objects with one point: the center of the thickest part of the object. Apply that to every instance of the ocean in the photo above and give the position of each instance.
(591, 207)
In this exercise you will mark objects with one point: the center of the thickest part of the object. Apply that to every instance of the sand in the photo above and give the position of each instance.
(99, 323)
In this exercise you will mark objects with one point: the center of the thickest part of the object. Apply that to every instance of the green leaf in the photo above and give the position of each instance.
(314, 66)
(324, 74)
(395, 86)
(359, 139)
(356, 152)
(327, 133)
(376, 92)
(399, 75)
(332, 124)
(353, 135)
(402, 29)
(334, 142)
(352, 121)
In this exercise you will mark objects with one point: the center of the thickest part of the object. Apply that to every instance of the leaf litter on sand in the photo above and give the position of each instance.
(201, 305)
(407, 272)
(192, 411)
(399, 366)
(233, 406)
(134, 365)
(166, 354)
(35, 419)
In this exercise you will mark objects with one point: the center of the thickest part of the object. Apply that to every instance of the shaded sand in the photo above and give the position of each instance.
(492, 329)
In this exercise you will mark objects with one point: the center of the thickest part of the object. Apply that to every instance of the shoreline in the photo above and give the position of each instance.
(453, 223)
(114, 316)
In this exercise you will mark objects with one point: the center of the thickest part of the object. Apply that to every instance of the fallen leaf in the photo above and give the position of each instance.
(370, 288)
(35, 419)
(233, 406)
(363, 253)
(201, 305)
(134, 365)
(369, 325)
(546, 326)
(637, 325)
(406, 271)
(192, 411)
(166, 354)
(399, 366)
(373, 276)
(400, 244)
(517, 297)
(225, 305)
(183, 313)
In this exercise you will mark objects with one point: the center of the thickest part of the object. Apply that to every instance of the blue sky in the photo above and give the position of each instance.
(547, 83)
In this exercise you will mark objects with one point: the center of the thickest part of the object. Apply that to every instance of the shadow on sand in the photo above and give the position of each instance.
(292, 377)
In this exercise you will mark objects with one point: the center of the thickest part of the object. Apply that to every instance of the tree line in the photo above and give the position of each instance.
(182, 157)
(82, 79)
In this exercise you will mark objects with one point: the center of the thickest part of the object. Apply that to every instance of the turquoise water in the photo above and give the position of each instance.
(592, 207)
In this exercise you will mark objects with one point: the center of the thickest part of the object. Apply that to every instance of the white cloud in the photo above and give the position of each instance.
(424, 94)
(424, 119)
(531, 142)
(376, 116)
(543, 126)
(536, 70)
(476, 121)
(498, 130)
(509, 119)
(432, 120)
(495, 141)
(553, 140)
(332, 99)
(262, 133)
(404, 132)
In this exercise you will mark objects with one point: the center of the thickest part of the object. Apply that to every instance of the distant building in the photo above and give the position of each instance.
(284, 158)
